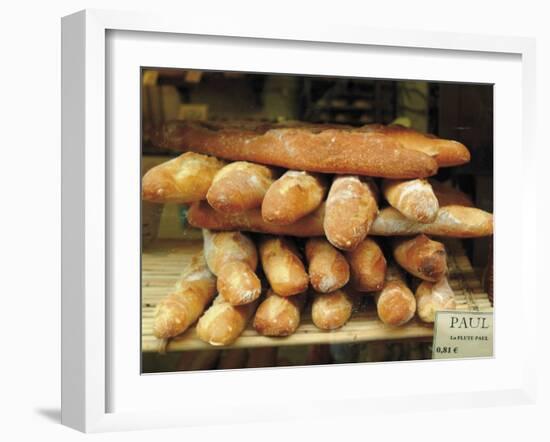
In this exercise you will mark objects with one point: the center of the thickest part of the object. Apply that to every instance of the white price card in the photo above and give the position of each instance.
(462, 334)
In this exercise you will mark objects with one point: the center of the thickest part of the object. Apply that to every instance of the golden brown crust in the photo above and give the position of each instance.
(415, 199)
(282, 266)
(349, 211)
(238, 284)
(293, 196)
(421, 257)
(446, 152)
(307, 147)
(184, 179)
(330, 311)
(327, 268)
(431, 297)
(221, 248)
(194, 290)
(279, 315)
(240, 186)
(367, 266)
(395, 304)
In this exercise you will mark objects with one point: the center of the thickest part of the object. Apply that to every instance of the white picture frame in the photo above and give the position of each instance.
(90, 171)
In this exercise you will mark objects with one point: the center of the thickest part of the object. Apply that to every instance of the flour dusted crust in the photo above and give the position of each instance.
(415, 199)
(421, 257)
(279, 315)
(327, 268)
(330, 311)
(298, 146)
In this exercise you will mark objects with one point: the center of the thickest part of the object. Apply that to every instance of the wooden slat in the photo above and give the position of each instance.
(163, 262)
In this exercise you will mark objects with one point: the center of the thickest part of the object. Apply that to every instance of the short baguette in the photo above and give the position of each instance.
(330, 311)
(350, 210)
(367, 266)
(445, 152)
(223, 323)
(293, 196)
(183, 180)
(312, 148)
(240, 186)
(193, 292)
(415, 199)
(282, 266)
(453, 221)
(279, 315)
(232, 256)
(431, 297)
(421, 257)
(327, 268)
(395, 304)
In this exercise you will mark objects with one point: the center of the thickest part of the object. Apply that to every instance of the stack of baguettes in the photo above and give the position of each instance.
(313, 196)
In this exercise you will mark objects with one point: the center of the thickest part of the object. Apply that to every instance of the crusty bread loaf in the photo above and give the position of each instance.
(367, 266)
(330, 311)
(446, 152)
(453, 221)
(350, 210)
(184, 179)
(240, 186)
(434, 296)
(200, 214)
(421, 257)
(327, 268)
(223, 323)
(282, 266)
(279, 315)
(415, 199)
(301, 147)
(395, 304)
(233, 258)
(293, 196)
(193, 292)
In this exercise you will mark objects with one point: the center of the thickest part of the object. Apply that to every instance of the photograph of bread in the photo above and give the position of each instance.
(284, 225)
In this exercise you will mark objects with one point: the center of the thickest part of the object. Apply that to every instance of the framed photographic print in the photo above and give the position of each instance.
(250, 212)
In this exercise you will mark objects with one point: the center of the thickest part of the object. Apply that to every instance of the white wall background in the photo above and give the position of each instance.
(30, 216)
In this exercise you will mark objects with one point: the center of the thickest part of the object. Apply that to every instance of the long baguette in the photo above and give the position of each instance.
(293, 196)
(194, 290)
(350, 210)
(395, 303)
(453, 221)
(223, 323)
(445, 152)
(279, 315)
(282, 266)
(368, 266)
(431, 297)
(314, 148)
(233, 258)
(415, 199)
(184, 179)
(240, 186)
(421, 257)
(327, 268)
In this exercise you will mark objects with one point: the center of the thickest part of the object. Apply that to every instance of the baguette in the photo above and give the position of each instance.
(330, 311)
(350, 210)
(395, 303)
(328, 269)
(279, 315)
(367, 266)
(445, 152)
(223, 323)
(431, 297)
(233, 258)
(182, 180)
(293, 196)
(282, 266)
(453, 221)
(240, 186)
(194, 290)
(421, 257)
(415, 199)
(313, 148)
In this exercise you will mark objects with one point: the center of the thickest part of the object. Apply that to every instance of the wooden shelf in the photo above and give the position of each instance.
(163, 261)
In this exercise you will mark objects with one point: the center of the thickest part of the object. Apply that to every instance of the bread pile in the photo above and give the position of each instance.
(314, 201)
